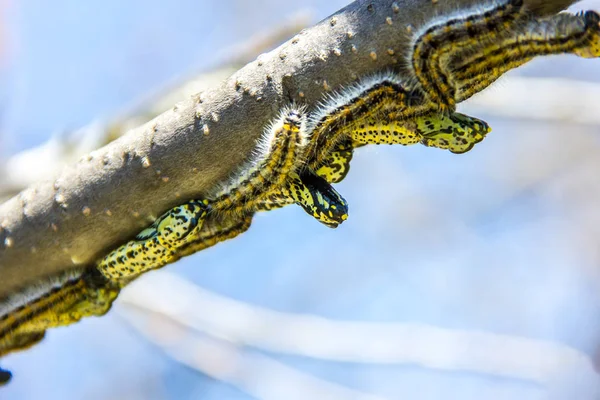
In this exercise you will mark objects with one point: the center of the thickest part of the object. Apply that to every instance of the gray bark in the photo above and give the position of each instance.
(112, 193)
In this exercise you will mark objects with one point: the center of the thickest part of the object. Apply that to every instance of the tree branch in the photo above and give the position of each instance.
(112, 193)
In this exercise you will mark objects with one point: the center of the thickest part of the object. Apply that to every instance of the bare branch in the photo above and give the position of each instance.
(113, 192)
(554, 366)
(260, 376)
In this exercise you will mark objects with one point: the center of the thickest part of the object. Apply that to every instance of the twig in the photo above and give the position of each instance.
(257, 375)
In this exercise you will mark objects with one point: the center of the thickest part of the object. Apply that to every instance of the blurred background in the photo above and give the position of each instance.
(455, 277)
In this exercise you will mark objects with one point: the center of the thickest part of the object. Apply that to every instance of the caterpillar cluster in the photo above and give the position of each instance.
(301, 154)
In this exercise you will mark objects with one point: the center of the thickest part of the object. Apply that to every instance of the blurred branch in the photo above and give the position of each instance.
(541, 362)
(257, 375)
(113, 192)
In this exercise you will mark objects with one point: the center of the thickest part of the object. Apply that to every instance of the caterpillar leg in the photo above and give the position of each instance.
(69, 300)
(335, 167)
(441, 39)
(564, 33)
(156, 245)
(5, 376)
